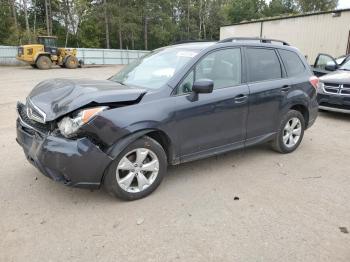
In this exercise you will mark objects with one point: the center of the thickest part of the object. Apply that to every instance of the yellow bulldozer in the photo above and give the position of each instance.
(46, 53)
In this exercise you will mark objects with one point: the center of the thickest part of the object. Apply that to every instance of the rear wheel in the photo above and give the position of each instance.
(137, 171)
(71, 62)
(44, 62)
(290, 132)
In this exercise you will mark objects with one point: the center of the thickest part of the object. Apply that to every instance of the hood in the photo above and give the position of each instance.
(57, 97)
(337, 77)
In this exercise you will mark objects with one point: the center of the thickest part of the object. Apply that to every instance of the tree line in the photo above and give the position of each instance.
(136, 24)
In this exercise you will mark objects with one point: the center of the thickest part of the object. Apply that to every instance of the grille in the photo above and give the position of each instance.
(22, 112)
(343, 89)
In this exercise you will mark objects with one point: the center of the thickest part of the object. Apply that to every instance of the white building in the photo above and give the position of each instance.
(312, 33)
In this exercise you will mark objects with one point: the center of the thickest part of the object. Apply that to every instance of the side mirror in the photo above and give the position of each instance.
(203, 86)
(331, 66)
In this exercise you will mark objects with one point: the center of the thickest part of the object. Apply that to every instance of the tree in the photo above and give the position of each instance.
(280, 7)
(136, 24)
(316, 5)
(241, 10)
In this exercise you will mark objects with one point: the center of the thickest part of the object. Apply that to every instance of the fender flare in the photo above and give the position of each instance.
(40, 54)
(65, 59)
(114, 150)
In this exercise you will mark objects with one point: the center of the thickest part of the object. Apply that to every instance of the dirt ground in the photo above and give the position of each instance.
(292, 207)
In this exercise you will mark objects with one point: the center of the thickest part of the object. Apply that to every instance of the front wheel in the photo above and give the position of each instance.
(137, 171)
(290, 132)
(71, 62)
(44, 62)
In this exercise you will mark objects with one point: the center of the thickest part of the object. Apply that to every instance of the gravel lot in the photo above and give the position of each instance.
(290, 208)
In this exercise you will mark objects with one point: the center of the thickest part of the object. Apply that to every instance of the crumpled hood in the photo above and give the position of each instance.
(337, 77)
(57, 97)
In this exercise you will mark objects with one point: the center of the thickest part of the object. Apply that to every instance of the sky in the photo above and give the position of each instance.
(343, 4)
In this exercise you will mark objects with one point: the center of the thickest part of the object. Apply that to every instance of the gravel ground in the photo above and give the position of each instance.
(248, 205)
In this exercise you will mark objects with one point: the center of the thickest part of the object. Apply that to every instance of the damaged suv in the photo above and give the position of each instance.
(177, 104)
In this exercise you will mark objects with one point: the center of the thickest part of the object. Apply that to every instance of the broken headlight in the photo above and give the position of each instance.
(68, 126)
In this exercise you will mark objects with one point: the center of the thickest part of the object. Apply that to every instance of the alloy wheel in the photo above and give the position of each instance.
(292, 132)
(137, 170)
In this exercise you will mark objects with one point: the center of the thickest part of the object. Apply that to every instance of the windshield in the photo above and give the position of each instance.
(346, 66)
(47, 41)
(155, 69)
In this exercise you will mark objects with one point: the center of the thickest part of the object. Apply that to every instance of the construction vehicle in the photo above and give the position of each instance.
(46, 53)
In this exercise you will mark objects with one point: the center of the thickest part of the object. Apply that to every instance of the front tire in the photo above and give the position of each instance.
(137, 171)
(44, 62)
(71, 62)
(290, 132)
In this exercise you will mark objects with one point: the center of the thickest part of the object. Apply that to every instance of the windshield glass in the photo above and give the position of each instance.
(346, 66)
(47, 41)
(155, 69)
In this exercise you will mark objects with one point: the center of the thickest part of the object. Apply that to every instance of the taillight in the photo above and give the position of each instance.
(314, 81)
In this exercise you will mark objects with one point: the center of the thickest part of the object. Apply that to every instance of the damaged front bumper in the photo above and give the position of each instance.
(78, 163)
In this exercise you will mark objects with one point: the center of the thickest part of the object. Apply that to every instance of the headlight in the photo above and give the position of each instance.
(68, 126)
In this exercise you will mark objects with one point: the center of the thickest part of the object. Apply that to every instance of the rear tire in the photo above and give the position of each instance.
(290, 132)
(142, 159)
(44, 63)
(71, 62)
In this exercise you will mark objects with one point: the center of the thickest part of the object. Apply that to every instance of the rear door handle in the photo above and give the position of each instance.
(240, 98)
(285, 88)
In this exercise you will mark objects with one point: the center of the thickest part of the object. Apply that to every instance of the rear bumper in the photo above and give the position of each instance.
(78, 163)
(335, 103)
(313, 112)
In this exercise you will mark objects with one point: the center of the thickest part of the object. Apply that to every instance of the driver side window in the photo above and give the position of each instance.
(223, 67)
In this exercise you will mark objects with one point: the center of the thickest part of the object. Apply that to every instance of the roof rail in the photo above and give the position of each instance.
(191, 41)
(261, 40)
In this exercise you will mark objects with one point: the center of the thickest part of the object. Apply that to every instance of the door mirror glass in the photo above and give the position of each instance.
(331, 66)
(203, 86)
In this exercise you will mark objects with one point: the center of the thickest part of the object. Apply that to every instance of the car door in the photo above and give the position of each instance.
(217, 119)
(268, 86)
(324, 64)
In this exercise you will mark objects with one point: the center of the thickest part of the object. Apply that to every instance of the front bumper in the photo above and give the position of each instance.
(78, 163)
(335, 103)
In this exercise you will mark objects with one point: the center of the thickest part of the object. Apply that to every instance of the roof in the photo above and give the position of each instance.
(290, 16)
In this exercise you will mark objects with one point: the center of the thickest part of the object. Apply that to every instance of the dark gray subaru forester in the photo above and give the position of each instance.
(177, 104)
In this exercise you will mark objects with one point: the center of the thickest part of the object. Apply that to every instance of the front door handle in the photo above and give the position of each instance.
(240, 98)
(285, 88)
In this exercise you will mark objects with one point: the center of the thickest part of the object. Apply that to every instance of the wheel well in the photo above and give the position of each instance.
(304, 111)
(164, 141)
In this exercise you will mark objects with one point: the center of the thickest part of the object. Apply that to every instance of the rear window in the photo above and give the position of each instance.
(263, 64)
(292, 62)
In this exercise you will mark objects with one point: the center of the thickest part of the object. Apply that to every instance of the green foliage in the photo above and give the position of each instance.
(317, 5)
(135, 24)
(243, 10)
